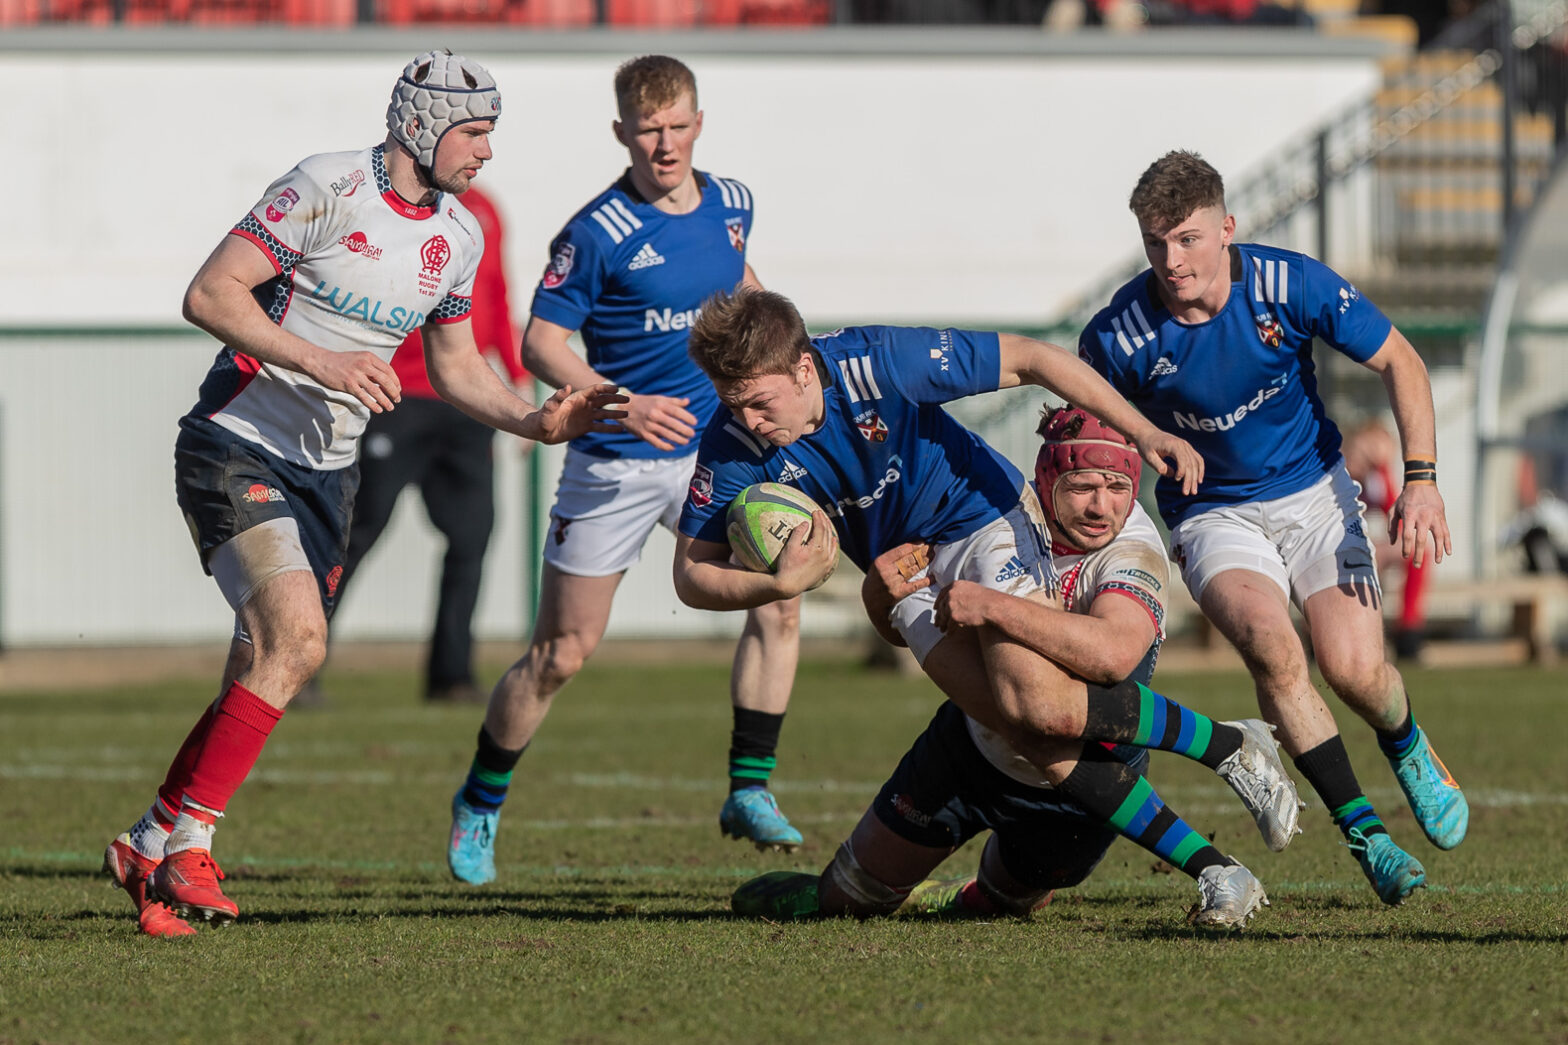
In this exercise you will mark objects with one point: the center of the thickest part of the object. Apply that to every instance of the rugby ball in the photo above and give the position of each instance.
(761, 518)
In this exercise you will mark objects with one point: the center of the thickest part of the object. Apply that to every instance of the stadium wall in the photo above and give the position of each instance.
(973, 178)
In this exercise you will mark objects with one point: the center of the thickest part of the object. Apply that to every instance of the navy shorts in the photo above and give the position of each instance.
(226, 484)
(944, 792)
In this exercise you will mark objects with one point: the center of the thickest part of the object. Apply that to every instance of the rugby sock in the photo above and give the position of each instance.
(192, 829)
(1327, 768)
(1398, 742)
(490, 775)
(151, 832)
(753, 740)
(235, 737)
(172, 793)
(1132, 713)
(1114, 792)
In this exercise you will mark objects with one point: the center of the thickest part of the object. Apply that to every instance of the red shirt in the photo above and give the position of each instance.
(491, 315)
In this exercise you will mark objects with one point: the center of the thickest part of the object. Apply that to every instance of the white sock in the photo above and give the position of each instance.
(148, 835)
(189, 832)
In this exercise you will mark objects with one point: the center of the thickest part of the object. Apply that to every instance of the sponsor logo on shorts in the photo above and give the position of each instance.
(560, 265)
(358, 244)
(871, 425)
(560, 528)
(736, 227)
(282, 205)
(333, 579)
(261, 493)
(1353, 527)
(1353, 561)
(348, 184)
(1012, 570)
(433, 257)
(702, 486)
(906, 809)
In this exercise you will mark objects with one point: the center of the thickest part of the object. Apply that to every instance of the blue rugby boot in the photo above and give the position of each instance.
(1434, 796)
(1394, 873)
(470, 851)
(752, 813)
(780, 896)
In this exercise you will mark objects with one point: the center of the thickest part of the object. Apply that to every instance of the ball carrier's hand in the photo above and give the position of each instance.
(808, 558)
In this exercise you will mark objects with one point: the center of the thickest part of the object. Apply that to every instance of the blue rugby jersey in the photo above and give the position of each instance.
(888, 464)
(1242, 386)
(632, 279)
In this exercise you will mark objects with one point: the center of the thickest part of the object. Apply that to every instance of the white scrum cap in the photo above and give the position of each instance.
(438, 91)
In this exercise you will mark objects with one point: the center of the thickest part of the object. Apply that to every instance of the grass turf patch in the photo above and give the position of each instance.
(610, 921)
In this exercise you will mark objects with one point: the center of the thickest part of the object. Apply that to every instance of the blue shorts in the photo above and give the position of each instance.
(944, 792)
(225, 484)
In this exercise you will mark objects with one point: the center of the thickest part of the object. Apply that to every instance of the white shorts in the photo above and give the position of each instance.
(1012, 554)
(1305, 543)
(605, 508)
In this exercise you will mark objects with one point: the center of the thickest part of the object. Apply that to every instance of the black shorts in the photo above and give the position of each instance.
(226, 484)
(944, 792)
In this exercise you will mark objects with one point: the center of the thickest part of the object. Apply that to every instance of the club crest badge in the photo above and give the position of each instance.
(736, 227)
(560, 265)
(871, 425)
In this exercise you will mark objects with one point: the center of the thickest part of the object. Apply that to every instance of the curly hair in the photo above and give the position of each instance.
(1174, 186)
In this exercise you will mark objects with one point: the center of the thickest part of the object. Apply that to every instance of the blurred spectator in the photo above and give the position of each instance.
(1370, 454)
(1540, 528)
(430, 443)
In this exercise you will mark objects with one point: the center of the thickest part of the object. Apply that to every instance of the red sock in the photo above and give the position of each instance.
(179, 776)
(235, 737)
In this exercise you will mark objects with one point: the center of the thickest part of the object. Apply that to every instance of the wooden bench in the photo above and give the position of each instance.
(1529, 597)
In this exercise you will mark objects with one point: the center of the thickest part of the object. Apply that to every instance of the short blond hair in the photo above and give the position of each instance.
(645, 85)
(747, 333)
(1174, 186)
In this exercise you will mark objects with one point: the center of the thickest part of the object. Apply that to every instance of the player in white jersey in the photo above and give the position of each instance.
(1104, 623)
(629, 272)
(1215, 341)
(311, 294)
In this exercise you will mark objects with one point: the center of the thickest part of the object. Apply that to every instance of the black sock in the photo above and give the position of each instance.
(1132, 713)
(1327, 768)
(490, 775)
(753, 741)
(1112, 791)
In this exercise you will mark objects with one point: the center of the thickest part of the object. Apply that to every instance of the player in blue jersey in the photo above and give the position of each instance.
(1214, 342)
(854, 420)
(629, 272)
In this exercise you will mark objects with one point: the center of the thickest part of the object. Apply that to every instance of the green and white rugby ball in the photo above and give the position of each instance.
(761, 518)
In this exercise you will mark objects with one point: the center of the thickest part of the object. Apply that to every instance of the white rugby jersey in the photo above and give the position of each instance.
(358, 268)
(1133, 565)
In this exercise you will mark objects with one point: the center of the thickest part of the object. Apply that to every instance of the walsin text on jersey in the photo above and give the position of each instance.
(367, 310)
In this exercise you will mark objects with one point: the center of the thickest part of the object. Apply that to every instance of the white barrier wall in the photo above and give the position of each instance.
(906, 188)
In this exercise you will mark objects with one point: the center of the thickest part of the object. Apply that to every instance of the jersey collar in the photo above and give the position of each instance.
(399, 205)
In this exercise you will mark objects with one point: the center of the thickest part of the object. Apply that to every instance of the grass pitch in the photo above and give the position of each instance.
(610, 920)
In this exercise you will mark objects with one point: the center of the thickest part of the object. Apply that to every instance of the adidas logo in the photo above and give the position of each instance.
(1014, 569)
(645, 258)
(791, 472)
(1163, 367)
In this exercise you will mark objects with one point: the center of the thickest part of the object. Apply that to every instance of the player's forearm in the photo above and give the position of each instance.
(1092, 647)
(1410, 398)
(709, 584)
(466, 381)
(224, 308)
(1060, 371)
(552, 361)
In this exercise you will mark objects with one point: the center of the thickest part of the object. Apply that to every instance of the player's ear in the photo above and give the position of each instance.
(803, 369)
(697, 126)
(615, 129)
(1228, 229)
